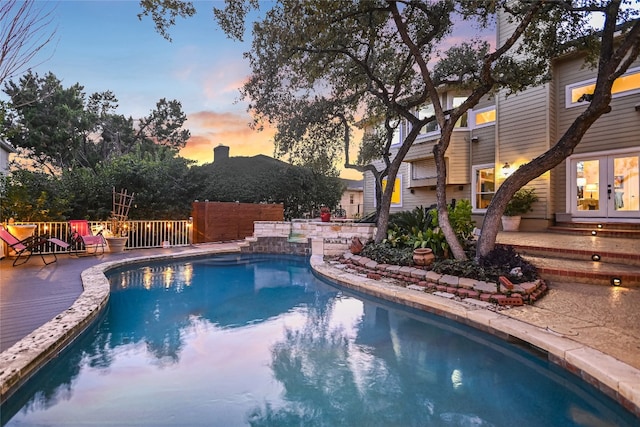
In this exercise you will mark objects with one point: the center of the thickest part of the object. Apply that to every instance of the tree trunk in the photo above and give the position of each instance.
(443, 213)
(392, 173)
(384, 207)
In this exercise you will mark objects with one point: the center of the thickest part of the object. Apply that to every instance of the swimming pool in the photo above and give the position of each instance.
(258, 340)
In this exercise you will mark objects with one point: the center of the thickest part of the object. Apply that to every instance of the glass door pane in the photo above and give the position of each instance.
(588, 186)
(624, 185)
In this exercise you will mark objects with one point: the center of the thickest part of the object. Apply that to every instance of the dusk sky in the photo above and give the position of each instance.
(104, 46)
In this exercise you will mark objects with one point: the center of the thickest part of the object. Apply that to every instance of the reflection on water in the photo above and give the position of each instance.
(259, 341)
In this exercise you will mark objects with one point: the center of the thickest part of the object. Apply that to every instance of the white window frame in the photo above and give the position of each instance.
(423, 131)
(414, 166)
(474, 184)
(569, 88)
(450, 99)
(394, 205)
(400, 132)
(473, 114)
(447, 101)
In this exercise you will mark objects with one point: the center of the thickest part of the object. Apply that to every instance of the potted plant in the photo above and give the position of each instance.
(325, 214)
(118, 228)
(521, 203)
(116, 235)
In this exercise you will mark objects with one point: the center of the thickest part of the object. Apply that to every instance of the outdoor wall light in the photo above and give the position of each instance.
(616, 281)
(595, 257)
(475, 139)
(594, 232)
(506, 169)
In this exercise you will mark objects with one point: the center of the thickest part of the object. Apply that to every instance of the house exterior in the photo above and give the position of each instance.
(6, 150)
(352, 198)
(600, 182)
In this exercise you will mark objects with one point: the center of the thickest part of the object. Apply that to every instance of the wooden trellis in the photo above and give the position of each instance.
(121, 205)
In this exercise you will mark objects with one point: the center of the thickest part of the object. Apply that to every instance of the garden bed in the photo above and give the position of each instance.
(425, 280)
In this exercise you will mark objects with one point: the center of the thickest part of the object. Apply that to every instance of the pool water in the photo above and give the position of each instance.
(260, 341)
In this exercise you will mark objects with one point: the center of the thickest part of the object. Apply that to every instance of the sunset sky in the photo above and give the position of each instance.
(104, 46)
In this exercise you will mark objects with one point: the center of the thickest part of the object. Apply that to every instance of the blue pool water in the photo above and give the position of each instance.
(260, 341)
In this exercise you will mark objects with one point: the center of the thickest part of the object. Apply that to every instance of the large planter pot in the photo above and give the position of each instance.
(325, 216)
(423, 256)
(116, 244)
(511, 223)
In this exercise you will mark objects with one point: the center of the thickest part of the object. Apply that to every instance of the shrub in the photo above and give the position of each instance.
(467, 268)
(419, 228)
(460, 219)
(384, 253)
(505, 259)
(416, 219)
(521, 202)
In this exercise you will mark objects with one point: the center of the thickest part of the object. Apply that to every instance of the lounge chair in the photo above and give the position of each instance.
(82, 239)
(30, 245)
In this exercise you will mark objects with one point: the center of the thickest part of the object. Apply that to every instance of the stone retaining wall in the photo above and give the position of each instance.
(420, 278)
(275, 245)
(326, 238)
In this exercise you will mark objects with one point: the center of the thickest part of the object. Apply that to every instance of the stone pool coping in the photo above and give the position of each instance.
(613, 377)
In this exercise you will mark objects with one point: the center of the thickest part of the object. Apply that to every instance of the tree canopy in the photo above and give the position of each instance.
(319, 67)
(59, 127)
(261, 179)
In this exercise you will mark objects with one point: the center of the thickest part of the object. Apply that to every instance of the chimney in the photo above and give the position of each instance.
(220, 153)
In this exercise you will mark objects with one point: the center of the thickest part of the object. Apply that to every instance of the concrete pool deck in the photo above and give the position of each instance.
(591, 330)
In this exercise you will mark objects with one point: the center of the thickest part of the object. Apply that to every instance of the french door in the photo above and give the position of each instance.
(606, 186)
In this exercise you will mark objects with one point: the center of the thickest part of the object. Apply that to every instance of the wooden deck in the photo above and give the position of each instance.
(33, 293)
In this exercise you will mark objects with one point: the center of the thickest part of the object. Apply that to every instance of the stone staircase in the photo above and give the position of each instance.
(603, 229)
(597, 253)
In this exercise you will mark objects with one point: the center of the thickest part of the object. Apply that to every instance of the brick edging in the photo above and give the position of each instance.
(430, 281)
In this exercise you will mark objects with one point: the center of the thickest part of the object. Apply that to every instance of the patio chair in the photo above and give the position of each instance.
(30, 245)
(82, 239)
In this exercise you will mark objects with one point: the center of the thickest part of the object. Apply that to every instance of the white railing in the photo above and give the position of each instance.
(141, 233)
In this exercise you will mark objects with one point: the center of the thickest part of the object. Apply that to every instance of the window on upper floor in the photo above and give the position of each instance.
(397, 133)
(463, 121)
(448, 102)
(578, 93)
(427, 111)
(423, 169)
(483, 186)
(484, 117)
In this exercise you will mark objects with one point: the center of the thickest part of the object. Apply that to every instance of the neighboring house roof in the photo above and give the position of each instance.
(4, 145)
(247, 165)
(353, 184)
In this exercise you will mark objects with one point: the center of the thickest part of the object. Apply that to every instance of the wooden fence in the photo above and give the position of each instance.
(221, 221)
